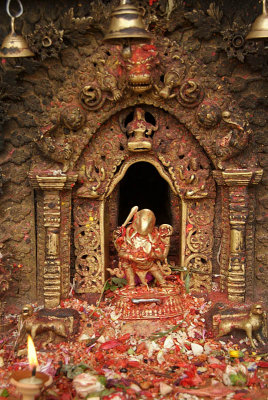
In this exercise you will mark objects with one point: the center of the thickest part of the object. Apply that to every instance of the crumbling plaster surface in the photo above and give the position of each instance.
(27, 87)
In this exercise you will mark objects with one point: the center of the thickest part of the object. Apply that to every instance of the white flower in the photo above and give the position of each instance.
(168, 344)
(207, 348)
(191, 331)
(180, 337)
(84, 336)
(101, 339)
(114, 316)
(165, 389)
(197, 349)
(135, 387)
(152, 347)
(87, 383)
(160, 356)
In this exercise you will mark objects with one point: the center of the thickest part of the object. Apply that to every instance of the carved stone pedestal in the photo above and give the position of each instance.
(152, 303)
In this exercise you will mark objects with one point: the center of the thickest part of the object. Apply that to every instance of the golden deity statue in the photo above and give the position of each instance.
(142, 247)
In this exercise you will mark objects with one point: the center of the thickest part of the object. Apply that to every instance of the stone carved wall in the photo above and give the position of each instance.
(232, 75)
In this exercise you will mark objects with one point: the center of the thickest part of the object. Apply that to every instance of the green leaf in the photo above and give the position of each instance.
(75, 372)
(4, 393)
(159, 335)
(238, 379)
(121, 386)
(102, 379)
(187, 282)
(177, 269)
(115, 283)
(84, 366)
(107, 286)
(113, 288)
(106, 392)
(101, 394)
(120, 282)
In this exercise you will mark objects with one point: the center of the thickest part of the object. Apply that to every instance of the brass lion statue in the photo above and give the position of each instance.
(252, 323)
(34, 323)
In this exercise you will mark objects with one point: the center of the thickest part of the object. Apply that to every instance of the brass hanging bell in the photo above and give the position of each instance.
(14, 45)
(127, 22)
(259, 29)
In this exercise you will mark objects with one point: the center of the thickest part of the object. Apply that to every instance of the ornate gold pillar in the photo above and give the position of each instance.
(237, 182)
(53, 284)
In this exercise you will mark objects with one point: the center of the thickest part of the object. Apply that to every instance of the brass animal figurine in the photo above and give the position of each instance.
(32, 324)
(251, 323)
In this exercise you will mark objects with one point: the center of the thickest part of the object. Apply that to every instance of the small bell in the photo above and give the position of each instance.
(15, 45)
(126, 22)
(259, 29)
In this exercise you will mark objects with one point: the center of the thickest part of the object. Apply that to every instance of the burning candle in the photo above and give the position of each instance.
(29, 382)
(32, 358)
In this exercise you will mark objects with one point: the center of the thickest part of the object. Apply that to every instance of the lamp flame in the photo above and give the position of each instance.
(32, 357)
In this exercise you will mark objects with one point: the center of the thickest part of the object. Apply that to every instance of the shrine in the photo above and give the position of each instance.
(133, 179)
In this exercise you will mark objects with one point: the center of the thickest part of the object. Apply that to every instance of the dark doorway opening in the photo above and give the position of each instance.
(143, 186)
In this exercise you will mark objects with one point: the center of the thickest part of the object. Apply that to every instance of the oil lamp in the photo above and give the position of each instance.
(29, 382)
(14, 45)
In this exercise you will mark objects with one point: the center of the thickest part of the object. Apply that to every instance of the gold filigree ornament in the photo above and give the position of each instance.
(91, 97)
(191, 93)
(199, 240)
(200, 268)
(46, 41)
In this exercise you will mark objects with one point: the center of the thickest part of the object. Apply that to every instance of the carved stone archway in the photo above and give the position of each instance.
(177, 157)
